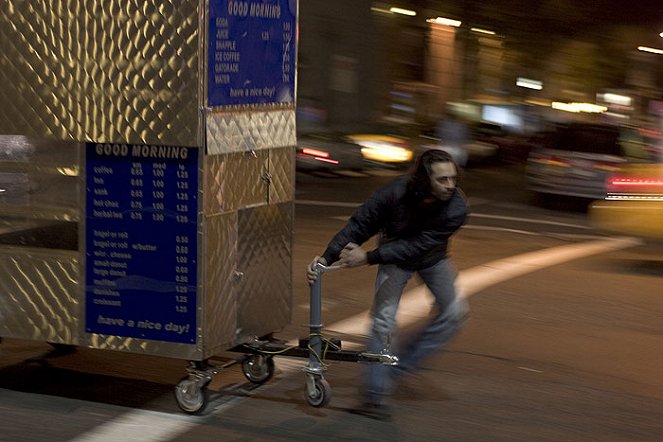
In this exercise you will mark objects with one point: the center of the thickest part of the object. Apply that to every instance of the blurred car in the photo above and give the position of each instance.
(576, 158)
(384, 144)
(634, 203)
(489, 135)
(327, 151)
(483, 143)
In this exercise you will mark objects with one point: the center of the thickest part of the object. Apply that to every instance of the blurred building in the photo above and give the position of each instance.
(338, 75)
(359, 61)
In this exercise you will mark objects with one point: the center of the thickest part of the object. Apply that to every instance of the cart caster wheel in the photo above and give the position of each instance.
(191, 395)
(258, 369)
(321, 394)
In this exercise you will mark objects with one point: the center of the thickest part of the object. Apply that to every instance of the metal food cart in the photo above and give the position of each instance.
(147, 176)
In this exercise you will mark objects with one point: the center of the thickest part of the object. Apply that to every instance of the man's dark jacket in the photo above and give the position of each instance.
(414, 234)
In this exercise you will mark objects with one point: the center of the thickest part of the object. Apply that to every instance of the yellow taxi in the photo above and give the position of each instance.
(634, 202)
(383, 148)
(384, 143)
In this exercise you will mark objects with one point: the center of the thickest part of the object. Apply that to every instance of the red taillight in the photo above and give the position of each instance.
(318, 155)
(315, 152)
(620, 184)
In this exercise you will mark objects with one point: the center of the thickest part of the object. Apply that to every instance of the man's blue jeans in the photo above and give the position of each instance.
(445, 323)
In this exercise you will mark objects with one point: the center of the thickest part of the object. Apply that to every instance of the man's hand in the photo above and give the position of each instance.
(311, 274)
(353, 256)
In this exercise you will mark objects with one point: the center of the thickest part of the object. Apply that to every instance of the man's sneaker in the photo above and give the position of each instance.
(374, 411)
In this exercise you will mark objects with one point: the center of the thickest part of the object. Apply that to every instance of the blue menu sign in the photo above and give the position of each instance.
(141, 241)
(251, 52)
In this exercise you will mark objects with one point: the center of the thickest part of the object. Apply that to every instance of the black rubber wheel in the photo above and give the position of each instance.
(191, 396)
(321, 394)
(258, 369)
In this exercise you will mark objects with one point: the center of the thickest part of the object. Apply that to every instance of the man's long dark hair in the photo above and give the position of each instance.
(418, 185)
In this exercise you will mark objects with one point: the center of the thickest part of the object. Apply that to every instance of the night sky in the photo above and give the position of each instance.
(645, 14)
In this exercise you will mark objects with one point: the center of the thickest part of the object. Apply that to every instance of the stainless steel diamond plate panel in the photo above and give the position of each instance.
(39, 178)
(282, 173)
(235, 180)
(157, 348)
(247, 131)
(129, 71)
(40, 294)
(265, 258)
(111, 71)
(220, 305)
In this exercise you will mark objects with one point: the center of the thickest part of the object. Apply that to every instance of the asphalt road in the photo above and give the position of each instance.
(562, 343)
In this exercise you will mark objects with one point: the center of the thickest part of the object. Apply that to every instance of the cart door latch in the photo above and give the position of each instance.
(238, 276)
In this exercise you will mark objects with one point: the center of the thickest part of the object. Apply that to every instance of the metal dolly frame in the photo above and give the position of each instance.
(258, 362)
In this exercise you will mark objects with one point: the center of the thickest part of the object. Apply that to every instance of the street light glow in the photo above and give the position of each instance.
(381, 11)
(445, 21)
(529, 84)
(482, 31)
(651, 50)
(621, 100)
(403, 11)
(578, 107)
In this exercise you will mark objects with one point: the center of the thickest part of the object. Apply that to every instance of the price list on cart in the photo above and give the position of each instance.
(141, 241)
(251, 52)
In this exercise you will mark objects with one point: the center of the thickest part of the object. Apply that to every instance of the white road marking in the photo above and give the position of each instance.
(416, 302)
(522, 220)
(507, 218)
(350, 173)
(471, 215)
(326, 203)
(567, 236)
(472, 202)
(138, 425)
(528, 220)
(499, 229)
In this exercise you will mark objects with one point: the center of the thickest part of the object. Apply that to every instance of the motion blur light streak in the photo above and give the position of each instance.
(326, 160)
(445, 21)
(648, 49)
(403, 11)
(529, 84)
(579, 107)
(315, 152)
(385, 153)
(381, 11)
(635, 182)
(622, 100)
(634, 198)
(482, 31)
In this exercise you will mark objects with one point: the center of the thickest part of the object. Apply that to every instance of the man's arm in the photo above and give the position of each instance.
(363, 224)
